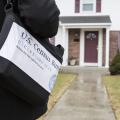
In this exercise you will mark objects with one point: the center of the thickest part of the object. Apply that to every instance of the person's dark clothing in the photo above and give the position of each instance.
(41, 17)
(2, 13)
(14, 108)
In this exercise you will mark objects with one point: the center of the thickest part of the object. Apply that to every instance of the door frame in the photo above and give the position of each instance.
(91, 56)
(100, 47)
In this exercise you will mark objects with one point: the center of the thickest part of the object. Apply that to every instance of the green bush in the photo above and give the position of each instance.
(115, 65)
(112, 70)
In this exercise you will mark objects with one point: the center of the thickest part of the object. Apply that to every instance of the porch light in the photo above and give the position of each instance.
(76, 37)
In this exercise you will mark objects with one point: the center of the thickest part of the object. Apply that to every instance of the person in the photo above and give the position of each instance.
(41, 18)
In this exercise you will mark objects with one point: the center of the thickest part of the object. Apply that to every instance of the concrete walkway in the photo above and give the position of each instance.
(86, 99)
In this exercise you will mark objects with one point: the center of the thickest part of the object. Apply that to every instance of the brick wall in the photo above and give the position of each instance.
(114, 43)
(74, 44)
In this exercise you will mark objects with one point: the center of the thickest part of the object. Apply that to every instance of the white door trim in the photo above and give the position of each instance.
(107, 48)
(82, 51)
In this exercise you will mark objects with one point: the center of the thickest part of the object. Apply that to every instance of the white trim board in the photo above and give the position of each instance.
(82, 51)
(90, 64)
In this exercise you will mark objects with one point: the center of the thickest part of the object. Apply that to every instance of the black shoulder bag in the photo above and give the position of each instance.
(28, 68)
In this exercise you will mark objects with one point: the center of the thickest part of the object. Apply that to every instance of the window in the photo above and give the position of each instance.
(88, 7)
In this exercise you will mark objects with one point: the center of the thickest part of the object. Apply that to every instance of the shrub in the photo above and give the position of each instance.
(112, 70)
(115, 65)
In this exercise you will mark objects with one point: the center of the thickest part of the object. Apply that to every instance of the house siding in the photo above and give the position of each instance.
(108, 7)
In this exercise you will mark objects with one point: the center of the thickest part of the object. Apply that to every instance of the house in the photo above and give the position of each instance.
(89, 31)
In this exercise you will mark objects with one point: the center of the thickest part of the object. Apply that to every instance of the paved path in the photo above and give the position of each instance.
(86, 99)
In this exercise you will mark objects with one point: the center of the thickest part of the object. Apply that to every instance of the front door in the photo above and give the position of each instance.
(91, 44)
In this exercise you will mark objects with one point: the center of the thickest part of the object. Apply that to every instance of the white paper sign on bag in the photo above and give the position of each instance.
(30, 56)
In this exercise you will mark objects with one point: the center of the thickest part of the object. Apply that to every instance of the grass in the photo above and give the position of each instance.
(62, 83)
(112, 84)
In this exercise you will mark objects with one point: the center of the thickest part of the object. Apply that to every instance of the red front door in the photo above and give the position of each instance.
(91, 44)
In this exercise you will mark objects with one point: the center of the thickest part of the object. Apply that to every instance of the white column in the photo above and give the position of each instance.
(107, 47)
(65, 44)
(100, 48)
(82, 47)
(58, 37)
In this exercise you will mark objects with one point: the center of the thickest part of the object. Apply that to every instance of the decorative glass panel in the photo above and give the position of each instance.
(91, 36)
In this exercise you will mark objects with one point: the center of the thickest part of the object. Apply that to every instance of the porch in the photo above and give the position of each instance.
(86, 42)
(78, 69)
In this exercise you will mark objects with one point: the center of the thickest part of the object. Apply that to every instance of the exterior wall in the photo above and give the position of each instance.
(104, 47)
(111, 7)
(114, 43)
(66, 7)
(108, 7)
(74, 45)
